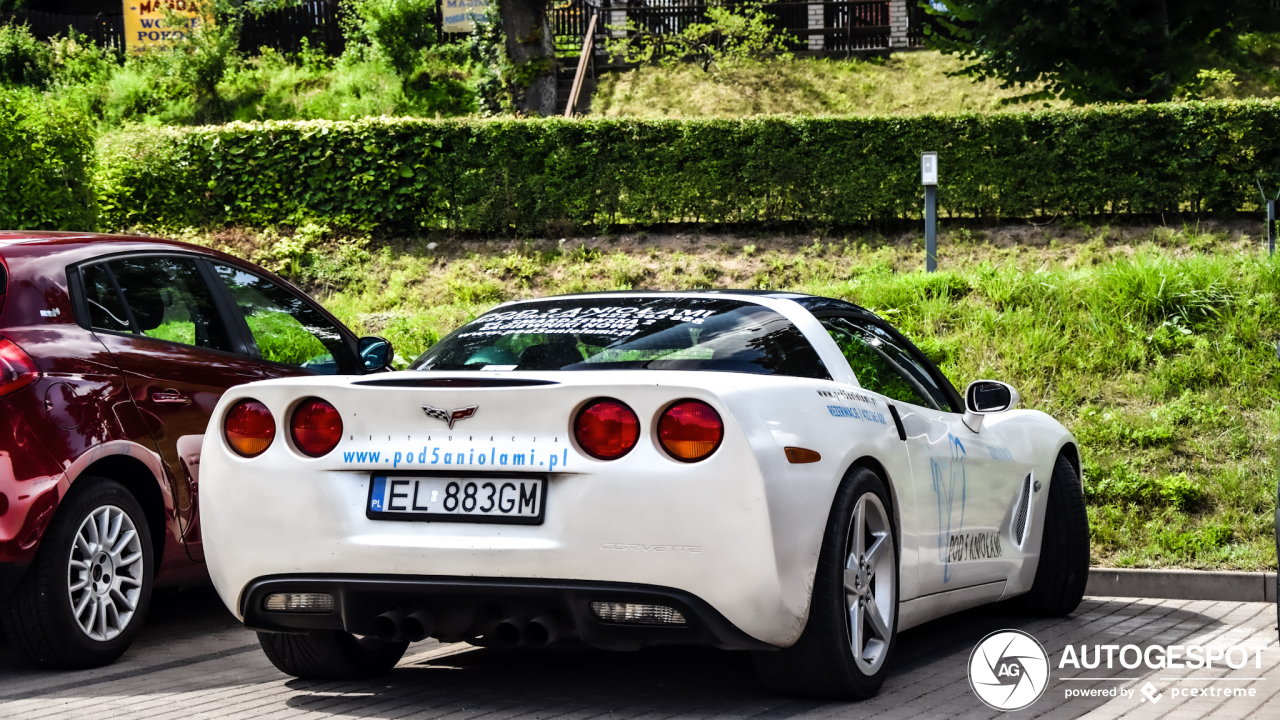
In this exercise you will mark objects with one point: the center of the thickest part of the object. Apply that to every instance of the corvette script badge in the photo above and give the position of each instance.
(450, 416)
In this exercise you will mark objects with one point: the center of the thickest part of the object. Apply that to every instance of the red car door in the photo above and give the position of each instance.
(178, 356)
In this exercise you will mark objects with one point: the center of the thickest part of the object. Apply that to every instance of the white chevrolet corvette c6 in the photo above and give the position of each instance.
(772, 472)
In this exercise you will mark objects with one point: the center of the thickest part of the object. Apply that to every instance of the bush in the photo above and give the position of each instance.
(23, 59)
(399, 30)
(535, 176)
(730, 36)
(45, 158)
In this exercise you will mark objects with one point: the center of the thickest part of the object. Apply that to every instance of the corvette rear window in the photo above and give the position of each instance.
(659, 333)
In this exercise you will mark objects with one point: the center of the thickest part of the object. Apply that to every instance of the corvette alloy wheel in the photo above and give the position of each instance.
(105, 573)
(870, 584)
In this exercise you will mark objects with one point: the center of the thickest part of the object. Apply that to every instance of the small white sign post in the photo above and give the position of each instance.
(1270, 202)
(929, 178)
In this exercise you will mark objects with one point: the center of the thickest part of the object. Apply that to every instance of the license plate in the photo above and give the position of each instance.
(457, 499)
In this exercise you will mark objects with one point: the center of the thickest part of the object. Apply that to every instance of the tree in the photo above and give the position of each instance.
(530, 48)
(1093, 50)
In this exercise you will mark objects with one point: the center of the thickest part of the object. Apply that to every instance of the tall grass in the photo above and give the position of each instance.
(1158, 351)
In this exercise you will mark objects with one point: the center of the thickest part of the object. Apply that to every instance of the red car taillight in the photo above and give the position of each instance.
(316, 427)
(606, 429)
(17, 370)
(690, 430)
(249, 428)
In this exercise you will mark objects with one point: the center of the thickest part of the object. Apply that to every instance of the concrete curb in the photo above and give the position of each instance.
(1182, 584)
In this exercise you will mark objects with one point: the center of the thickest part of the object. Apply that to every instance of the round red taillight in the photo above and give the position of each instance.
(316, 427)
(606, 429)
(690, 430)
(249, 428)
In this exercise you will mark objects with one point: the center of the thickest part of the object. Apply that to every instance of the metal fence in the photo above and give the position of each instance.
(282, 30)
(101, 29)
(829, 27)
(316, 20)
(843, 26)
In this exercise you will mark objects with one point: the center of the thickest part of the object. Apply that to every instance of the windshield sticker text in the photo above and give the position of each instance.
(616, 321)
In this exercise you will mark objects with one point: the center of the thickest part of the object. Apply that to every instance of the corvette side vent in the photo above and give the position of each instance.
(1024, 505)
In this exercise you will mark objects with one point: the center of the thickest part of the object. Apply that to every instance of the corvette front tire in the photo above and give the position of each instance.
(330, 654)
(844, 651)
(1063, 570)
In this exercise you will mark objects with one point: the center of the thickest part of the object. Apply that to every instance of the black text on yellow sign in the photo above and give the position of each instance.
(150, 24)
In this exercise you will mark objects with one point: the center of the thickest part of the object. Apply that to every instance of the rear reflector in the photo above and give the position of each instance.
(16, 368)
(249, 428)
(690, 430)
(299, 602)
(316, 427)
(606, 429)
(634, 614)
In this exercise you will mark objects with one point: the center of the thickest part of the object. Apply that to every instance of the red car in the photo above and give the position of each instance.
(113, 353)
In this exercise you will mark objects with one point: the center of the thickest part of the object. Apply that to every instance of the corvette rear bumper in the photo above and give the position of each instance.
(472, 609)
(723, 530)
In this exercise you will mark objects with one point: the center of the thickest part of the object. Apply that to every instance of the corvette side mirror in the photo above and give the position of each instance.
(375, 353)
(984, 397)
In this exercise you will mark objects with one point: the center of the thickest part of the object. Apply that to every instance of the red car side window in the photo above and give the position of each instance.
(169, 300)
(106, 311)
(284, 327)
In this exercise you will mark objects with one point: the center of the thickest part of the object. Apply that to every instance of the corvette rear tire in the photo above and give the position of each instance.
(330, 654)
(84, 598)
(844, 651)
(1063, 570)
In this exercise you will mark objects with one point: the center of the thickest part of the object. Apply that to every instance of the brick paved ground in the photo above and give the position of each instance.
(194, 661)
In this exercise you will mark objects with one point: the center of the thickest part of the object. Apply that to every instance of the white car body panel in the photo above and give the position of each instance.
(741, 530)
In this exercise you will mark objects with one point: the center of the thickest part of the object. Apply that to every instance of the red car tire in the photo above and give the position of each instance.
(97, 555)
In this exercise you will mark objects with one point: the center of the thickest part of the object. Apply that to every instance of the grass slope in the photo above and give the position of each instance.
(1155, 346)
(905, 83)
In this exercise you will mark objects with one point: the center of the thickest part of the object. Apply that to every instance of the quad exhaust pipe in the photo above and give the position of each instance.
(398, 626)
(418, 626)
(387, 625)
(540, 631)
(395, 625)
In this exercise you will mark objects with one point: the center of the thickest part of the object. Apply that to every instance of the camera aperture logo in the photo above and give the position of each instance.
(1008, 670)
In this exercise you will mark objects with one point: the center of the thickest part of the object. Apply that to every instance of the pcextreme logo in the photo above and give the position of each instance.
(1008, 670)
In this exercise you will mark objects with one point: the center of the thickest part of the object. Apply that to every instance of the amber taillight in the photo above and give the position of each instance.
(606, 429)
(249, 428)
(16, 368)
(316, 427)
(690, 430)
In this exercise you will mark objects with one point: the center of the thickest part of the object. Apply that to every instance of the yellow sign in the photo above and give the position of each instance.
(460, 15)
(159, 23)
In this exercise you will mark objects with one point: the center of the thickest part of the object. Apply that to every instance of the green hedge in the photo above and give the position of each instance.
(46, 153)
(551, 175)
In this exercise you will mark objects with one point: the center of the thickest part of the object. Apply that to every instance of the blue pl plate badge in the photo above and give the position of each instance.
(379, 486)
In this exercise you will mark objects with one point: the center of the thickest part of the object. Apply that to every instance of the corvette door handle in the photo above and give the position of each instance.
(170, 397)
